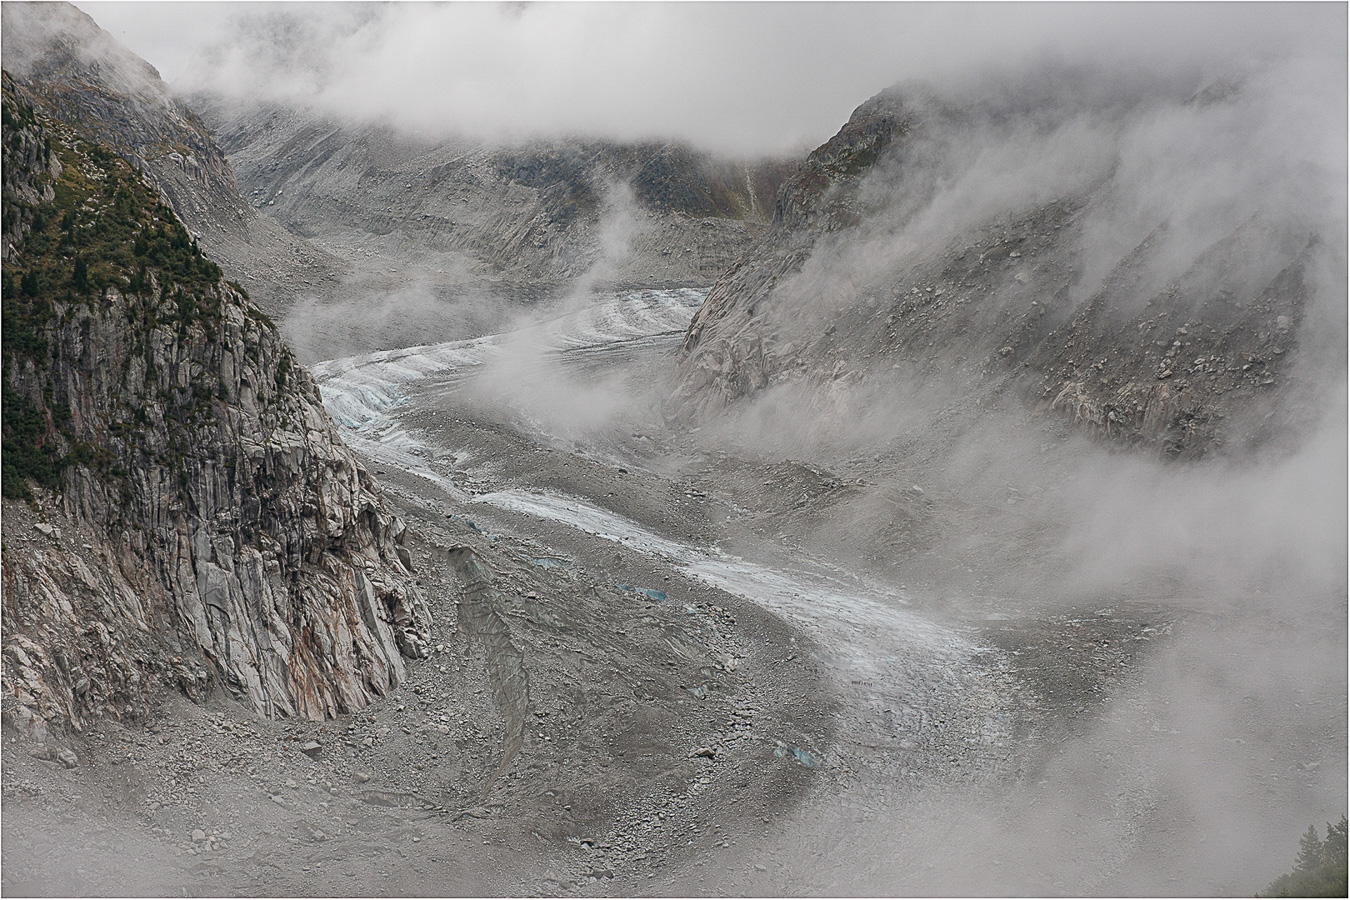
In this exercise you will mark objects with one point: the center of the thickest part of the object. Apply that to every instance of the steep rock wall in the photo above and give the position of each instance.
(226, 536)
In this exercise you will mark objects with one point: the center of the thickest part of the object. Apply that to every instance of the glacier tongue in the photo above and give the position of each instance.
(840, 614)
(361, 391)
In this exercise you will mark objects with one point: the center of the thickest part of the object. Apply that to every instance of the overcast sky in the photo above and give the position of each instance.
(745, 78)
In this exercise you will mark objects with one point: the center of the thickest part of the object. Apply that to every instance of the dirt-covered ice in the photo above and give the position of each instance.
(707, 697)
(952, 705)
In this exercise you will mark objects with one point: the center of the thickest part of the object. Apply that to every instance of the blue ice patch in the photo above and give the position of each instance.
(783, 750)
(650, 592)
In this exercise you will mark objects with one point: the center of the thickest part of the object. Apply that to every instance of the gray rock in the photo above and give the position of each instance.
(252, 537)
(321, 561)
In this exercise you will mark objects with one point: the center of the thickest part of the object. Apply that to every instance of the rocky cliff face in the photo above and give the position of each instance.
(31, 168)
(192, 518)
(1026, 245)
(77, 73)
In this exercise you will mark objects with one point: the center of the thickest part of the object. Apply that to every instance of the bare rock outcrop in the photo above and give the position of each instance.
(193, 520)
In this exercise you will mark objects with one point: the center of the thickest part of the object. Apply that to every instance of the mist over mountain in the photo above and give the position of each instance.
(964, 285)
(1157, 258)
(735, 80)
(81, 76)
(459, 232)
(443, 234)
(557, 449)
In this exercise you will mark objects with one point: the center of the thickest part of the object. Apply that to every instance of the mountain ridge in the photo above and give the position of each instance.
(462, 234)
(79, 74)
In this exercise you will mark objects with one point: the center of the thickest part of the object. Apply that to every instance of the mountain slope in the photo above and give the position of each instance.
(192, 518)
(77, 73)
(544, 212)
(1139, 259)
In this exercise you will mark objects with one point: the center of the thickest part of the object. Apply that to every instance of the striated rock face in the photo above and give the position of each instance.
(77, 73)
(460, 211)
(194, 521)
(1064, 241)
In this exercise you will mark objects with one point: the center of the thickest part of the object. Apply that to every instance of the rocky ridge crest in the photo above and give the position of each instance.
(460, 212)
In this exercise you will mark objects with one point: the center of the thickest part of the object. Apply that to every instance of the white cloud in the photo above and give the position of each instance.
(733, 77)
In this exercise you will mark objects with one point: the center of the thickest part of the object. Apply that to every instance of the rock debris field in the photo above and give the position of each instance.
(643, 681)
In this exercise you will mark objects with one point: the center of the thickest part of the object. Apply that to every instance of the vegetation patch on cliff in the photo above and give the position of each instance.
(93, 228)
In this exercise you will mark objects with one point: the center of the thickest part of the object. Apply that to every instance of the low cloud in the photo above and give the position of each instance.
(1208, 183)
(526, 376)
(736, 78)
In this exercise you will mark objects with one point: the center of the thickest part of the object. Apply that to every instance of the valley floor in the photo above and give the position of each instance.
(706, 701)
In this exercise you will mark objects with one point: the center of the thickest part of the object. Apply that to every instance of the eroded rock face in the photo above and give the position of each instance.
(209, 528)
(983, 247)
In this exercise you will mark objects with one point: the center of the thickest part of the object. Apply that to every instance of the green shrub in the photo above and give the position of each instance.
(27, 448)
